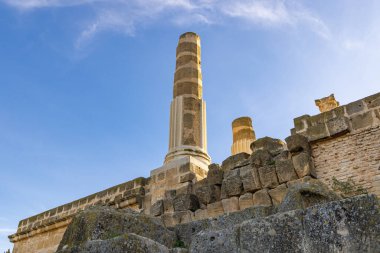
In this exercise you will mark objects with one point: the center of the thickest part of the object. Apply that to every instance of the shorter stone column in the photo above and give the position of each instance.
(243, 135)
(327, 103)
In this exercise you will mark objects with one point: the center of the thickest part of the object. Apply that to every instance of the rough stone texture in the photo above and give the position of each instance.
(278, 194)
(355, 155)
(338, 126)
(327, 103)
(245, 201)
(188, 177)
(298, 143)
(184, 202)
(104, 223)
(268, 176)
(260, 158)
(303, 194)
(250, 178)
(208, 194)
(285, 171)
(303, 165)
(232, 184)
(157, 208)
(234, 161)
(230, 205)
(273, 146)
(215, 174)
(215, 241)
(215, 209)
(261, 198)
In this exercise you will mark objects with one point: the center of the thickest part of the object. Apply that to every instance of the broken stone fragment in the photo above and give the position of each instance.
(184, 202)
(260, 158)
(215, 174)
(278, 194)
(273, 146)
(298, 143)
(235, 161)
(303, 165)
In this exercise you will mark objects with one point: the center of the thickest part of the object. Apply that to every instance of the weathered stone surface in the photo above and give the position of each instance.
(245, 201)
(373, 101)
(250, 179)
(201, 214)
(276, 233)
(215, 174)
(235, 161)
(362, 120)
(215, 241)
(338, 125)
(232, 186)
(273, 146)
(278, 194)
(230, 205)
(300, 123)
(208, 194)
(103, 223)
(268, 176)
(170, 194)
(305, 194)
(317, 132)
(298, 143)
(184, 202)
(326, 104)
(285, 171)
(260, 158)
(157, 208)
(183, 216)
(261, 198)
(303, 165)
(168, 205)
(215, 209)
(354, 107)
(188, 177)
(187, 188)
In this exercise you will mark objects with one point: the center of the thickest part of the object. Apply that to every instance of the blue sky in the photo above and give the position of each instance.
(86, 85)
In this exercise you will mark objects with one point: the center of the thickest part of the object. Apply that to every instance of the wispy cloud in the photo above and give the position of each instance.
(124, 16)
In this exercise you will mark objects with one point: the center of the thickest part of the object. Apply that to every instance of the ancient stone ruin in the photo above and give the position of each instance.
(316, 191)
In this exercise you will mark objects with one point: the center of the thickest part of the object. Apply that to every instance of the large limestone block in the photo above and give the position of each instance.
(232, 186)
(183, 216)
(103, 223)
(157, 208)
(260, 158)
(273, 146)
(245, 201)
(168, 205)
(215, 209)
(219, 241)
(277, 233)
(250, 178)
(278, 194)
(261, 198)
(235, 161)
(201, 214)
(268, 176)
(285, 171)
(338, 125)
(298, 143)
(231, 204)
(184, 202)
(303, 165)
(208, 194)
(215, 174)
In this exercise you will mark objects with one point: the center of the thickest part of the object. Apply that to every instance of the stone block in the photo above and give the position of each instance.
(215, 209)
(168, 205)
(260, 158)
(362, 121)
(235, 161)
(200, 214)
(169, 220)
(170, 194)
(298, 143)
(245, 201)
(157, 208)
(186, 188)
(373, 101)
(250, 179)
(338, 125)
(278, 194)
(232, 186)
(300, 123)
(230, 205)
(321, 118)
(273, 146)
(317, 132)
(188, 177)
(303, 165)
(261, 198)
(208, 194)
(285, 171)
(183, 216)
(215, 174)
(185, 202)
(354, 107)
(268, 176)
(298, 181)
(216, 241)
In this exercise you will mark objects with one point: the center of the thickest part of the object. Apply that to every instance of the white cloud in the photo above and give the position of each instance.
(350, 44)
(124, 16)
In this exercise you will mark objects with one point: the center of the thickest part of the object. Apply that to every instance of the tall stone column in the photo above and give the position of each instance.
(243, 135)
(188, 135)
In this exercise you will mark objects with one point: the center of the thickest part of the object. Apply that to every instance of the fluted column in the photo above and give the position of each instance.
(188, 135)
(243, 135)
